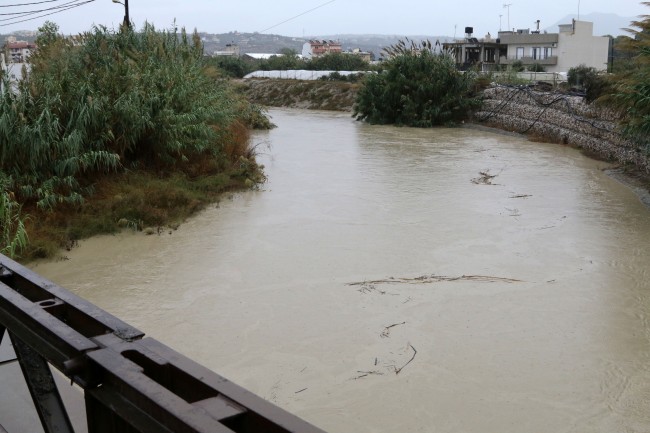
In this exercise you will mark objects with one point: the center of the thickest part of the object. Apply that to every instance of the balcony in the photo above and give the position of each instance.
(549, 61)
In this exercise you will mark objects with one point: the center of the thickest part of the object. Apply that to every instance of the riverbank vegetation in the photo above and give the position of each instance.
(237, 67)
(117, 128)
(417, 87)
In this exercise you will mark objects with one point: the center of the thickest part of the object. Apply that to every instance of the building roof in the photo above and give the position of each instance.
(20, 45)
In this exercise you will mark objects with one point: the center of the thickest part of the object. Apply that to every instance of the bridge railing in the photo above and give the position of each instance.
(130, 383)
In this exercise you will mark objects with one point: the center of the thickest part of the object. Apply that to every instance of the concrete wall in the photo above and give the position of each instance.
(581, 47)
(560, 118)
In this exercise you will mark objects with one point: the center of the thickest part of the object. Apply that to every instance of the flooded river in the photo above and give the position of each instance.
(507, 284)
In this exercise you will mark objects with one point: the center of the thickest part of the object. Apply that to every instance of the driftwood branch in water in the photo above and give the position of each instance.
(386, 332)
(426, 279)
(485, 178)
(415, 352)
(366, 374)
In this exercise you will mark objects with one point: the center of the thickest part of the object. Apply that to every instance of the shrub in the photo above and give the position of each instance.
(13, 237)
(418, 87)
(588, 79)
(517, 66)
(337, 62)
(109, 100)
(536, 67)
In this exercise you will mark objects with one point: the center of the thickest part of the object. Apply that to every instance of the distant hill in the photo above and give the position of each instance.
(604, 24)
(376, 43)
(265, 43)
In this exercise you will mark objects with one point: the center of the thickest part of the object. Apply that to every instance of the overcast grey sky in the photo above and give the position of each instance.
(415, 17)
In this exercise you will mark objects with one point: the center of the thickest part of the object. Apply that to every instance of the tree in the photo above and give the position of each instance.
(418, 87)
(337, 62)
(231, 66)
(631, 92)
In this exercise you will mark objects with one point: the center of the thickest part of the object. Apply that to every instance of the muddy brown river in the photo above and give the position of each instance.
(398, 280)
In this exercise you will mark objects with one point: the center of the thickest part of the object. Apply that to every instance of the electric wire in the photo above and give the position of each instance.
(299, 15)
(28, 4)
(26, 13)
(48, 14)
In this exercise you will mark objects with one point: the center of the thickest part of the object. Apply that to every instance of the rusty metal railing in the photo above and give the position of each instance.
(130, 383)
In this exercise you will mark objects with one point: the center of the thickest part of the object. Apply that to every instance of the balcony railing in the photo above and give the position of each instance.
(550, 61)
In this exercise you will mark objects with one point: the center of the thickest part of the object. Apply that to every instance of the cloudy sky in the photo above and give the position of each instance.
(313, 17)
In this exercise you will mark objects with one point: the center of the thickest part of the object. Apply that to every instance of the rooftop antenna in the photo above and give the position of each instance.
(500, 15)
(507, 6)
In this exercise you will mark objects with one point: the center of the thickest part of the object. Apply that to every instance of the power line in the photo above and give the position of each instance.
(299, 15)
(28, 4)
(51, 13)
(25, 13)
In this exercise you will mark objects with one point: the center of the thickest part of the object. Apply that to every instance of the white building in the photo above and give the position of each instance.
(318, 48)
(574, 45)
(18, 51)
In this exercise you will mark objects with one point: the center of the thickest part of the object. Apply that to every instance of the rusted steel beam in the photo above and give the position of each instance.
(131, 384)
(45, 395)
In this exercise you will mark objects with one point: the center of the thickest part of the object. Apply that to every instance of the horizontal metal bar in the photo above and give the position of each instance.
(131, 384)
(25, 280)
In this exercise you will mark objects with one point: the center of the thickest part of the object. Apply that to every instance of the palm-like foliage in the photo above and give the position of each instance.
(419, 87)
(632, 87)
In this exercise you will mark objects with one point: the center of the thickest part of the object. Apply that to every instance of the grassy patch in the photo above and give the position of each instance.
(133, 200)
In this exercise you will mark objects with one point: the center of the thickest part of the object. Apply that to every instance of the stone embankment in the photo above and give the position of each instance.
(560, 118)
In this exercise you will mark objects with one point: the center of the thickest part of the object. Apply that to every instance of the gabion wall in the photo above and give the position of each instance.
(560, 118)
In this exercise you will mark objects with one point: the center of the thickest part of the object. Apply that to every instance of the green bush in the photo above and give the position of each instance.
(590, 80)
(232, 66)
(107, 100)
(418, 87)
(337, 62)
(536, 67)
(517, 66)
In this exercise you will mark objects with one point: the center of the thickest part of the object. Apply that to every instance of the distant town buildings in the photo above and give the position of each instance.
(318, 48)
(17, 51)
(573, 45)
(231, 50)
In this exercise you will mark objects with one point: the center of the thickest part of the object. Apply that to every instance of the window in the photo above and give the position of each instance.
(536, 53)
(520, 53)
(548, 52)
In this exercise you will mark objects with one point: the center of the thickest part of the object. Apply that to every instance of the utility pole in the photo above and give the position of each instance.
(127, 20)
(507, 6)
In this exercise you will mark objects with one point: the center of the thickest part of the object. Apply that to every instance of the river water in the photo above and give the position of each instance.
(531, 316)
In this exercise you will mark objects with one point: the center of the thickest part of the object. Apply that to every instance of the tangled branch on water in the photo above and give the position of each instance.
(415, 352)
(386, 332)
(432, 278)
(485, 178)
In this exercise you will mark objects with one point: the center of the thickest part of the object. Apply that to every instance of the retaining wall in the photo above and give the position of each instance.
(560, 118)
